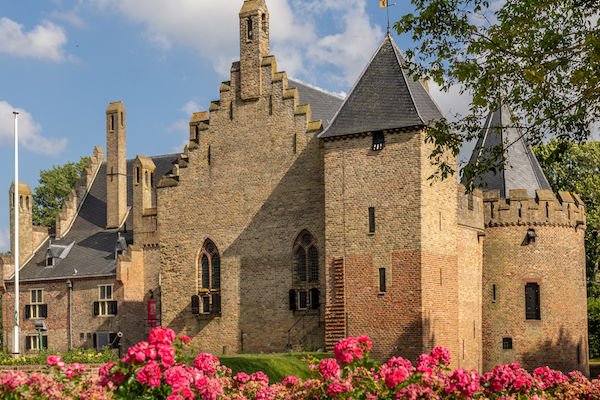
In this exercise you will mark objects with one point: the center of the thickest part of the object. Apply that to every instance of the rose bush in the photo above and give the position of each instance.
(162, 368)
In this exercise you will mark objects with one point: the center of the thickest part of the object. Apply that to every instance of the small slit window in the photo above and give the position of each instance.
(250, 33)
(122, 119)
(271, 105)
(507, 343)
(382, 284)
(378, 141)
(371, 219)
(137, 175)
(231, 111)
(112, 122)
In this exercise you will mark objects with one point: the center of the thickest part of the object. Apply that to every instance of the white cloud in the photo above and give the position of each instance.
(453, 103)
(4, 240)
(191, 107)
(29, 132)
(70, 17)
(45, 41)
(211, 27)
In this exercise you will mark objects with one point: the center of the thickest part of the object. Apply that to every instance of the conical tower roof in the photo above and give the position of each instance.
(522, 170)
(384, 97)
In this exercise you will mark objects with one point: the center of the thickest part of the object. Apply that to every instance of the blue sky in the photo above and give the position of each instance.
(63, 61)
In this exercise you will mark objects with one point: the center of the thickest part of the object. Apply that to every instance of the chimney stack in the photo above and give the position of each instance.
(116, 165)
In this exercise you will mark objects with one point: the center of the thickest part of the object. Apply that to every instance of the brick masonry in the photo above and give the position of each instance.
(255, 176)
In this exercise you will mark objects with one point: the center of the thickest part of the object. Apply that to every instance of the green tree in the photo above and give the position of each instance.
(55, 185)
(540, 57)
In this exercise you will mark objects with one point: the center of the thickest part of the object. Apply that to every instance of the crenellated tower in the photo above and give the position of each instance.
(116, 165)
(534, 284)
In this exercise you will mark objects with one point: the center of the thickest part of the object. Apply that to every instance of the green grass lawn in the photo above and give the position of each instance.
(277, 366)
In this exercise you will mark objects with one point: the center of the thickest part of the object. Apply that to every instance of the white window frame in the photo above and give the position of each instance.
(34, 341)
(103, 301)
(36, 306)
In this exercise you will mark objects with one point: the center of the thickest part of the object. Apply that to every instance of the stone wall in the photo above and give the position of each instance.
(250, 181)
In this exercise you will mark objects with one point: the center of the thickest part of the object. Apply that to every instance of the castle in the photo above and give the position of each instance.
(295, 218)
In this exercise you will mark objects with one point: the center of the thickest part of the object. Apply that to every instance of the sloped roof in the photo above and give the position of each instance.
(522, 170)
(93, 251)
(384, 97)
(323, 104)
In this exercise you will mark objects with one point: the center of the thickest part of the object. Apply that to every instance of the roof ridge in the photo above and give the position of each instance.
(320, 89)
(353, 88)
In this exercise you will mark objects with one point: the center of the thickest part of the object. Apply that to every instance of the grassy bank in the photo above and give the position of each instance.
(276, 366)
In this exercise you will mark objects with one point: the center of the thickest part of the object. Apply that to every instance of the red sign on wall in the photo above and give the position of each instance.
(152, 313)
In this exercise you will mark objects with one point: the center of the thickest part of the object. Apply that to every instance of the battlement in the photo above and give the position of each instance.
(470, 208)
(545, 209)
(71, 206)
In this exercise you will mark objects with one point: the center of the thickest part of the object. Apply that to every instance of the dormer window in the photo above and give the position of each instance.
(56, 253)
(49, 259)
(378, 141)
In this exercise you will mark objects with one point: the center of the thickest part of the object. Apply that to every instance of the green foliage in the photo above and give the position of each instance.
(276, 366)
(55, 185)
(82, 356)
(594, 326)
(540, 57)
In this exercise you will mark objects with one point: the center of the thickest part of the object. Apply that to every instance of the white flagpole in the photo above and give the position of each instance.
(16, 205)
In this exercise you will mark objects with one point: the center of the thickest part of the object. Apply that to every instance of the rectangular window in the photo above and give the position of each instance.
(382, 286)
(137, 175)
(532, 301)
(106, 305)
(205, 304)
(371, 219)
(302, 300)
(378, 141)
(507, 343)
(37, 308)
(33, 342)
(493, 293)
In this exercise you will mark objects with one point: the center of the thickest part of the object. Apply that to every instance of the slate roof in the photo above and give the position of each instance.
(522, 170)
(93, 251)
(323, 104)
(384, 97)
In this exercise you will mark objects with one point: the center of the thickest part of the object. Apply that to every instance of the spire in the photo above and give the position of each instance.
(384, 97)
(522, 170)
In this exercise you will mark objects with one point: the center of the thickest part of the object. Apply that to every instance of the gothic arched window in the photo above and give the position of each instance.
(306, 258)
(210, 267)
(305, 294)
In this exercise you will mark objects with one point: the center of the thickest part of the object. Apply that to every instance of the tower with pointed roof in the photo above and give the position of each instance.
(388, 229)
(534, 286)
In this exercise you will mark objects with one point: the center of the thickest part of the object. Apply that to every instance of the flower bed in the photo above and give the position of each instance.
(161, 368)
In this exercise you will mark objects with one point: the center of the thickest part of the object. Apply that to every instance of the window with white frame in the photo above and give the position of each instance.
(105, 305)
(36, 309)
(33, 342)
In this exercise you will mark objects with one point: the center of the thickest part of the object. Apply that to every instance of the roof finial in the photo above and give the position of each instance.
(382, 4)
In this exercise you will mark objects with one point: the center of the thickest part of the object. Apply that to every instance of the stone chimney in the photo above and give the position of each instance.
(116, 165)
(254, 45)
(144, 202)
(24, 202)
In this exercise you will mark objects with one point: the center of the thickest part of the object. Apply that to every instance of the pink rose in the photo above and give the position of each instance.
(329, 368)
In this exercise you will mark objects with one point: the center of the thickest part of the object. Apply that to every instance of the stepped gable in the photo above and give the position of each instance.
(93, 251)
(323, 104)
(522, 169)
(384, 97)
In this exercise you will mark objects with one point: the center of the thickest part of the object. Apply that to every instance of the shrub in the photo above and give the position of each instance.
(161, 368)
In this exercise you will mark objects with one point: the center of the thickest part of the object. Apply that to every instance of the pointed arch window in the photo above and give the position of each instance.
(306, 258)
(208, 301)
(305, 295)
(210, 267)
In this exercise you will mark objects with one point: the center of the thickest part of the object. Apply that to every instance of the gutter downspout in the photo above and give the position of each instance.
(70, 307)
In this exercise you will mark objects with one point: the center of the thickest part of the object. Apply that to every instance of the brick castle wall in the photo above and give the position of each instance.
(555, 261)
